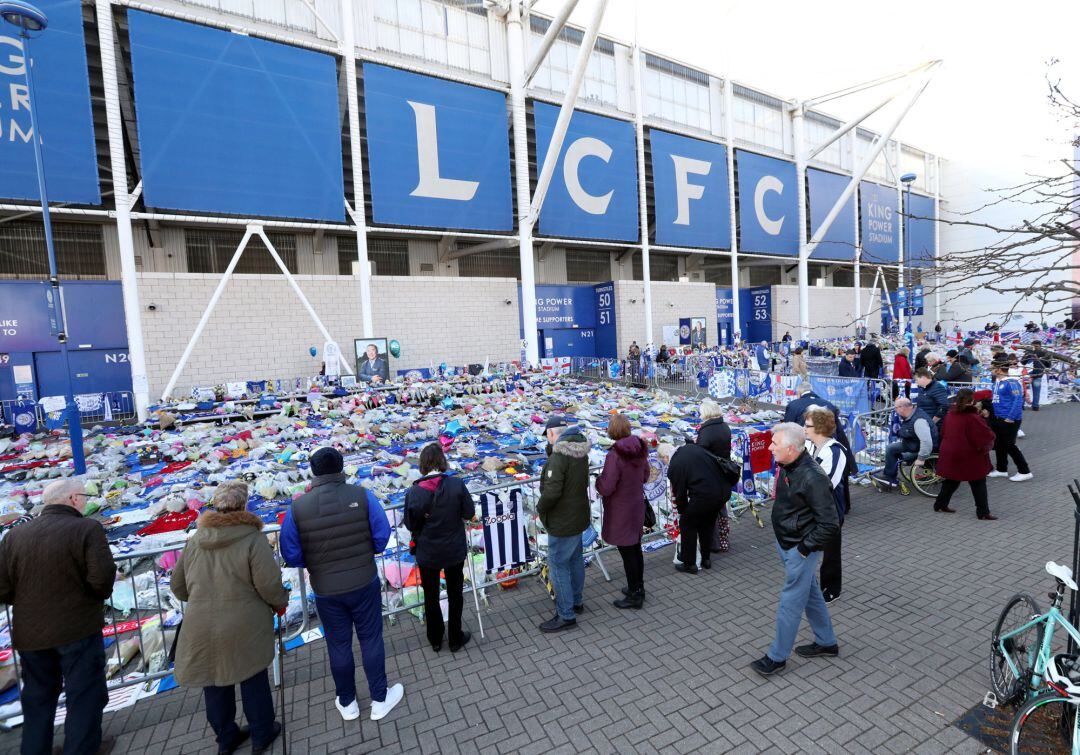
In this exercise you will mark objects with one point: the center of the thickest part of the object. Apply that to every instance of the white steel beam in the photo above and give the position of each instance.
(359, 217)
(129, 285)
(901, 230)
(798, 128)
(643, 202)
(516, 60)
(937, 239)
(258, 230)
(729, 129)
(206, 312)
(550, 36)
(566, 111)
(845, 128)
(853, 143)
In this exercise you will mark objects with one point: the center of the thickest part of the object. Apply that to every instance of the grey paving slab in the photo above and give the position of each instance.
(921, 593)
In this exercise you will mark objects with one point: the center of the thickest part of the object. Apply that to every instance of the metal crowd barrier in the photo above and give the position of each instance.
(873, 427)
(113, 406)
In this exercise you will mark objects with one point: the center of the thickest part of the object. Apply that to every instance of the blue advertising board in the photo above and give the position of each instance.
(919, 241)
(879, 223)
(824, 189)
(95, 315)
(594, 191)
(234, 124)
(768, 204)
(915, 303)
(690, 191)
(607, 341)
(438, 152)
(725, 315)
(63, 111)
(565, 306)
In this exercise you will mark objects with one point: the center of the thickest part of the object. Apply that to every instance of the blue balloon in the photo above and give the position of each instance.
(313, 351)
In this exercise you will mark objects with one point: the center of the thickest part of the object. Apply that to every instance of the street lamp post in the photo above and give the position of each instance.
(907, 179)
(30, 19)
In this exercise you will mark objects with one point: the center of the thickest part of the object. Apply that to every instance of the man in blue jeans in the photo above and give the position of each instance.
(804, 521)
(334, 531)
(563, 509)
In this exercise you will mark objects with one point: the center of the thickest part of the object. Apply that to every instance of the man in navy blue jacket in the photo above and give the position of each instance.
(1008, 413)
(334, 531)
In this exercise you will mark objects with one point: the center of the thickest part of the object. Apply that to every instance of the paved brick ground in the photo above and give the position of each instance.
(921, 593)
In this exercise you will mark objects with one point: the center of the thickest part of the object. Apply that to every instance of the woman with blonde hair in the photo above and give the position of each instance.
(232, 586)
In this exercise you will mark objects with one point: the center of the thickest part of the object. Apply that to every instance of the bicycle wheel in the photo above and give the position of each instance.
(1038, 725)
(925, 479)
(1021, 648)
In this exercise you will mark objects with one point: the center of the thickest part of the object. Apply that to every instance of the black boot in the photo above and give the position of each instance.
(635, 599)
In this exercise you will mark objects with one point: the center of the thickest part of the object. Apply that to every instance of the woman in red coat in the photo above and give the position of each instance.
(901, 370)
(622, 487)
(966, 441)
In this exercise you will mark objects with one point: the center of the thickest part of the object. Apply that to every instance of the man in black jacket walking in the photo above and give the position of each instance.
(56, 572)
(870, 356)
(804, 521)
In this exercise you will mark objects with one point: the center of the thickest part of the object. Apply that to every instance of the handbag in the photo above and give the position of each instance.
(650, 516)
(729, 470)
(426, 514)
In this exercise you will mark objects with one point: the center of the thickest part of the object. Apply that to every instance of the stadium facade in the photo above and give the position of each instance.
(173, 129)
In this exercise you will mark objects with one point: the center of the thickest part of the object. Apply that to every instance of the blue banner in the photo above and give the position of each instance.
(915, 305)
(919, 233)
(564, 306)
(234, 124)
(63, 110)
(824, 189)
(725, 315)
(850, 395)
(593, 192)
(690, 191)
(768, 204)
(880, 216)
(607, 342)
(438, 152)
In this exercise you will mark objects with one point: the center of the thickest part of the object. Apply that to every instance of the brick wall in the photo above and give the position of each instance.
(670, 302)
(260, 329)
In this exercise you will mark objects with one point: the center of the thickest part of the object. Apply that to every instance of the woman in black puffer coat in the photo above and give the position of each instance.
(715, 436)
(436, 509)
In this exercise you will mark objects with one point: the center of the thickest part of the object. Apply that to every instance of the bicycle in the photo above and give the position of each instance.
(1040, 719)
(1020, 650)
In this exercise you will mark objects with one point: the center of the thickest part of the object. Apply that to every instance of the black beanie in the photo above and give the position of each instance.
(326, 461)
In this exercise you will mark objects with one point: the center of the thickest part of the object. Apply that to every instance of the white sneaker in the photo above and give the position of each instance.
(1020, 434)
(1021, 477)
(393, 697)
(349, 712)
(996, 473)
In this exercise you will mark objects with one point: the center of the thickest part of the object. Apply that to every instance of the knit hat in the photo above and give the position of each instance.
(952, 353)
(326, 461)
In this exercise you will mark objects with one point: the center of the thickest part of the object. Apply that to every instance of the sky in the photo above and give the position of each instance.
(987, 101)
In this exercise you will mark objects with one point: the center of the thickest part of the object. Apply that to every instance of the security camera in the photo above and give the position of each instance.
(508, 302)
(151, 307)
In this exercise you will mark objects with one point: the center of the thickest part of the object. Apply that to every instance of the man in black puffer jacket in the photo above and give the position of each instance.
(804, 521)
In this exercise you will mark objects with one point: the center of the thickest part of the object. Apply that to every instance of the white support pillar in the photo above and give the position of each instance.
(643, 202)
(516, 56)
(853, 149)
(359, 214)
(798, 129)
(729, 132)
(901, 228)
(207, 312)
(937, 239)
(129, 281)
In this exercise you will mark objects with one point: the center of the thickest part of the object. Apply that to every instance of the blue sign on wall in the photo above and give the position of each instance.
(607, 342)
(768, 204)
(63, 111)
(915, 305)
(919, 231)
(725, 314)
(879, 223)
(755, 306)
(690, 191)
(824, 189)
(594, 191)
(565, 306)
(235, 124)
(438, 152)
